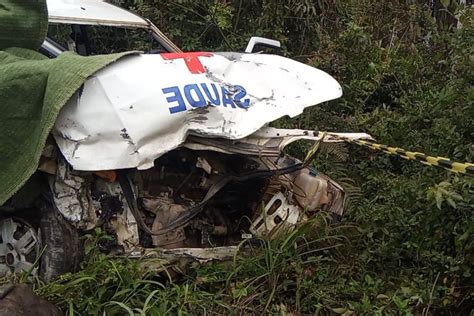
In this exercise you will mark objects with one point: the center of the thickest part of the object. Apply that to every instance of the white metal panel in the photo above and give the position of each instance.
(143, 106)
(91, 12)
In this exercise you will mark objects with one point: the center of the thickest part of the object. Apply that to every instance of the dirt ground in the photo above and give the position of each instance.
(20, 300)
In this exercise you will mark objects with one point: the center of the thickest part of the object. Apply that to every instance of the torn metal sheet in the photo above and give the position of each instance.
(72, 198)
(267, 141)
(141, 107)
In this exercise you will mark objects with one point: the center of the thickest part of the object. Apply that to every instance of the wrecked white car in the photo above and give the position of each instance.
(170, 153)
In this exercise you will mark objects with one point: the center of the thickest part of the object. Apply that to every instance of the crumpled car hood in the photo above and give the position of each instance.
(135, 110)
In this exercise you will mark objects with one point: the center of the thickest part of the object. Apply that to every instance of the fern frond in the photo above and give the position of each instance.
(337, 152)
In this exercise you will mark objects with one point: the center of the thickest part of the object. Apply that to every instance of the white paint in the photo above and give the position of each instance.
(92, 12)
(122, 117)
(266, 224)
(255, 40)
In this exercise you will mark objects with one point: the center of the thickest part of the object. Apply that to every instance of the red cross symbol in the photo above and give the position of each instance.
(191, 59)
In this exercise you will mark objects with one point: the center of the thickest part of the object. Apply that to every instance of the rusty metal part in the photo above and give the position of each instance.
(179, 221)
(165, 211)
(121, 220)
(185, 217)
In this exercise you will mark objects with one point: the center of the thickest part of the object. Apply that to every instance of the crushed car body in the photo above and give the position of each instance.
(186, 160)
(141, 107)
(172, 153)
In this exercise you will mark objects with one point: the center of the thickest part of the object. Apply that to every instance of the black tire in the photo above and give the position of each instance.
(64, 249)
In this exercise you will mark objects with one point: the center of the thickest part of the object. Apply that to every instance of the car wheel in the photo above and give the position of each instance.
(58, 243)
(63, 247)
(19, 247)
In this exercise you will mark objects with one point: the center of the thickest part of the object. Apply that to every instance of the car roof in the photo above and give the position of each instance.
(92, 12)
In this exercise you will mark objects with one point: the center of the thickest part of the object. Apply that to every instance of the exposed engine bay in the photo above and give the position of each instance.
(193, 198)
(177, 164)
(197, 202)
(164, 163)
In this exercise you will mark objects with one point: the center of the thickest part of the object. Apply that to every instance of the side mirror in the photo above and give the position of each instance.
(262, 41)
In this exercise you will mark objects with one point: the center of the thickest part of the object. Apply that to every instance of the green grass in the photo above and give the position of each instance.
(314, 269)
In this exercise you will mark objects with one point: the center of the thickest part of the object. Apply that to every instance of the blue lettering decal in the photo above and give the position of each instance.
(200, 95)
(226, 100)
(176, 97)
(239, 96)
(200, 102)
(213, 99)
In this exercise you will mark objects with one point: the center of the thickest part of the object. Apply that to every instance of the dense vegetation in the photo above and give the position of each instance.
(405, 245)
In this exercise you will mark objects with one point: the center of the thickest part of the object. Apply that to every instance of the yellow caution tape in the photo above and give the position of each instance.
(312, 152)
(442, 162)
